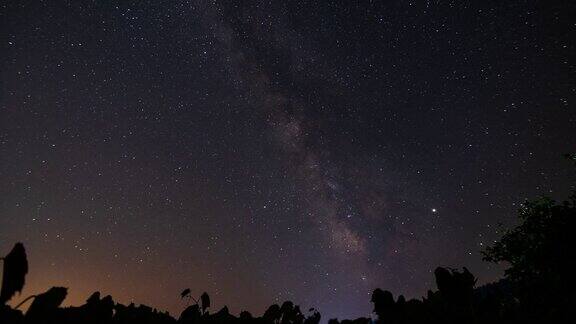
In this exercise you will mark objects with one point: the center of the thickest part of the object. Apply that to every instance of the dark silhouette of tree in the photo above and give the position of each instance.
(383, 301)
(245, 316)
(455, 291)
(273, 314)
(314, 318)
(539, 248)
(540, 253)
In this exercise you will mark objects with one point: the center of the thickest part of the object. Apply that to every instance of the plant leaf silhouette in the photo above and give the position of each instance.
(47, 302)
(185, 293)
(14, 273)
(205, 299)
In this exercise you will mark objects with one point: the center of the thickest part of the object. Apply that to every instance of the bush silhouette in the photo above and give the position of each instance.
(540, 252)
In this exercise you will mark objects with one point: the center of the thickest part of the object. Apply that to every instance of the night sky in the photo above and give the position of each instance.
(267, 151)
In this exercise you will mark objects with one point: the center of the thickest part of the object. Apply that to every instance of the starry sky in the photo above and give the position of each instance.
(265, 151)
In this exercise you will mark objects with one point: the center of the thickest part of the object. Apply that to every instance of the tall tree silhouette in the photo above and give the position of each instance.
(540, 253)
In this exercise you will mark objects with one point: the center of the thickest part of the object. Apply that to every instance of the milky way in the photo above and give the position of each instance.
(265, 151)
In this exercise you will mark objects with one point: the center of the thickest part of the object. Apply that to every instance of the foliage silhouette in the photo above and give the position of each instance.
(205, 300)
(14, 272)
(537, 247)
(185, 293)
(538, 287)
(540, 252)
(46, 304)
